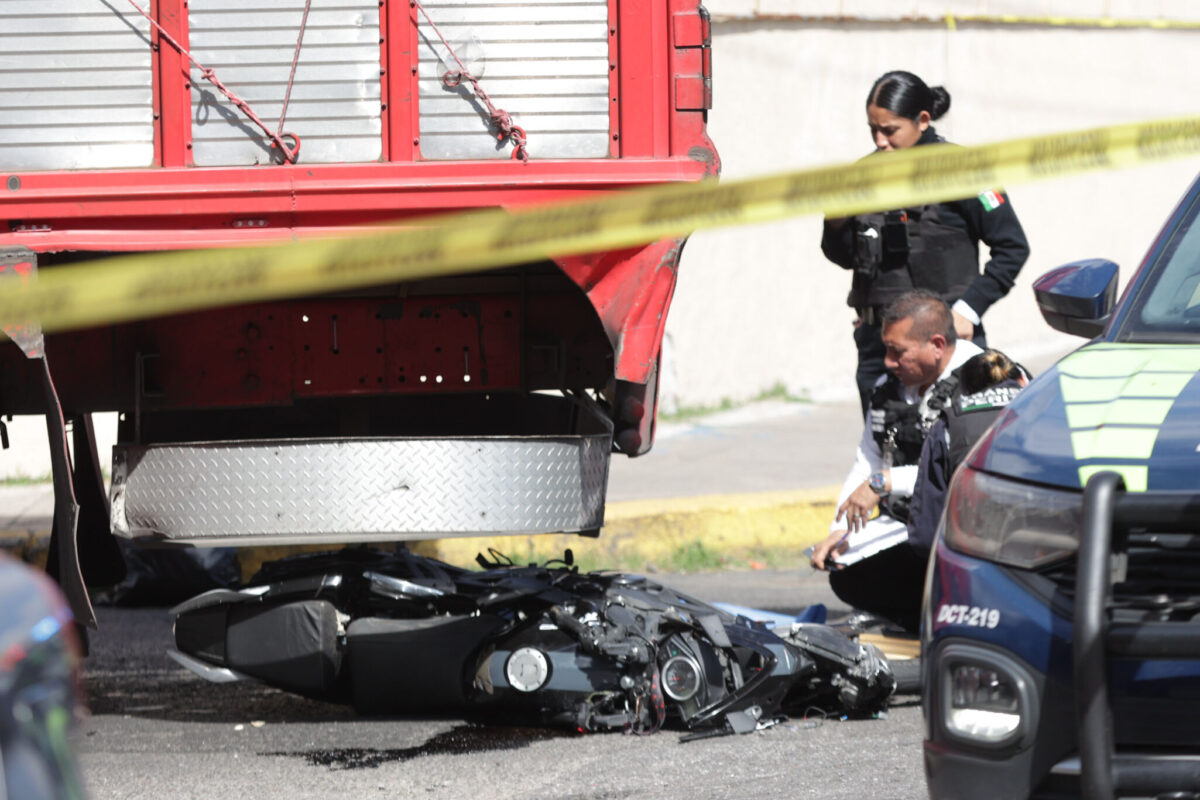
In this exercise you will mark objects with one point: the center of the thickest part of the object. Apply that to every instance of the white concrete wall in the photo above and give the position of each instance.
(28, 456)
(759, 306)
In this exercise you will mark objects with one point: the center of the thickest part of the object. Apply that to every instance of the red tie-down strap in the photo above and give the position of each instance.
(289, 152)
(505, 128)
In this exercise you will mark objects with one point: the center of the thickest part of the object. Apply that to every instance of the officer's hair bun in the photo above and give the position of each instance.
(941, 102)
(906, 95)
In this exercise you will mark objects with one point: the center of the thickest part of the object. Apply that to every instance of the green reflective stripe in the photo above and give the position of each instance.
(1112, 360)
(1097, 363)
(1091, 390)
(1157, 384)
(1114, 442)
(1119, 412)
(1179, 359)
(1144, 384)
(1109, 389)
(1135, 477)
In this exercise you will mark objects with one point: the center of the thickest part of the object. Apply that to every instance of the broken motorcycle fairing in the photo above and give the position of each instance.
(399, 633)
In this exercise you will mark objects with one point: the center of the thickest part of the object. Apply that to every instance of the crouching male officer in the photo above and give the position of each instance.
(872, 566)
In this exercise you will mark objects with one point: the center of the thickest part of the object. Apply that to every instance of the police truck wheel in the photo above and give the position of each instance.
(907, 672)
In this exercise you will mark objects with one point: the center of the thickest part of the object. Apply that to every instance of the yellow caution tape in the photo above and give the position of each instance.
(147, 285)
(952, 21)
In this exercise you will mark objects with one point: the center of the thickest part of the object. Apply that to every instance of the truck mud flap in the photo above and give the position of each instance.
(81, 552)
(63, 562)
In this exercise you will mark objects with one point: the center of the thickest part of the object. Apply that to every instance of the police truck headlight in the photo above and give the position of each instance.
(1009, 522)
(983, 703)
(986, 698)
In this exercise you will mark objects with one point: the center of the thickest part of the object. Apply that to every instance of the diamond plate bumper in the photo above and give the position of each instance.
(332, 490)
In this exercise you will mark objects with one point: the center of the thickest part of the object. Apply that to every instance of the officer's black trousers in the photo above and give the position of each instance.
(888, 584)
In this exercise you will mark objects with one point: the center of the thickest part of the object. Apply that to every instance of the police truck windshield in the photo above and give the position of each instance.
(1166, 306)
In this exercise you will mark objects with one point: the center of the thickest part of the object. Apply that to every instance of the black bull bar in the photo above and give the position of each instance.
(1109, 512)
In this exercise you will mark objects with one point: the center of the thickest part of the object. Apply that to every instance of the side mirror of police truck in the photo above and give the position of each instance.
(1078, 298)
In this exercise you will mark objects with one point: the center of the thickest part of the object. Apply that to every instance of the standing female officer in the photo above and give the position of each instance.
(934, 247)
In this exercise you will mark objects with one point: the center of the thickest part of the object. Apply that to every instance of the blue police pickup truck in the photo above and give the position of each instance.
(1061, 630)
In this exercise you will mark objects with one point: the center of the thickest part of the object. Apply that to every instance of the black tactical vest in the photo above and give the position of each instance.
(968, 418)
(900, 429)
(896, 251)
(897, 426)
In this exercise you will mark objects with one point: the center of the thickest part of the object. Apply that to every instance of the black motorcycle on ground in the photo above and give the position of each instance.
(399, 633)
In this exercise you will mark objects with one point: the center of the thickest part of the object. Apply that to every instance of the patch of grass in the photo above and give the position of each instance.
(778, 392)
(690, 554)
(26, 480)
(20, 479)
(776, 558)
(694, 557)
(685, 413)
(590, 562)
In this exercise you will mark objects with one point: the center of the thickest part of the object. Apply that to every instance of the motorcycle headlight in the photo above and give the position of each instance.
(681, 678)
(1009, 522)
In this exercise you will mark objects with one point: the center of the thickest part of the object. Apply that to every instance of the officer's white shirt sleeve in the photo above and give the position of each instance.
(904, 479)
(965, 310)
(867, 459)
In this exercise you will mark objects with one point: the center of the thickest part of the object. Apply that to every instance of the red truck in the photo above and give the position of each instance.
(475, 404)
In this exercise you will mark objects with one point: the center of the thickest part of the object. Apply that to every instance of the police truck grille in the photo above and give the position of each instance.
(1161, 581)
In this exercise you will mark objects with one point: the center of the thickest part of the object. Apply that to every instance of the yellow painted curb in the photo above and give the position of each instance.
(678, 533)
(30, 546)
(686, 533)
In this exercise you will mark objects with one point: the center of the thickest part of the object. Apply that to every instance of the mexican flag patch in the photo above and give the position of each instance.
(991, 200)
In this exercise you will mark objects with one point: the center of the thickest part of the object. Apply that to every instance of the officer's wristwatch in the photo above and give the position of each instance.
(878, 484)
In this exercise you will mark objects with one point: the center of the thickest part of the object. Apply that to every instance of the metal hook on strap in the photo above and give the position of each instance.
(284, 152)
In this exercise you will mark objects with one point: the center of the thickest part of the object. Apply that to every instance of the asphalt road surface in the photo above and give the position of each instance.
(156, 731)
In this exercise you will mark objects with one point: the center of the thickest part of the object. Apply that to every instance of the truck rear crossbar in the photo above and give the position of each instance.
(310, 491)
(1108, 515)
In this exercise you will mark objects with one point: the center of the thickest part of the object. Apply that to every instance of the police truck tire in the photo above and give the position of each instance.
(907, 672)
